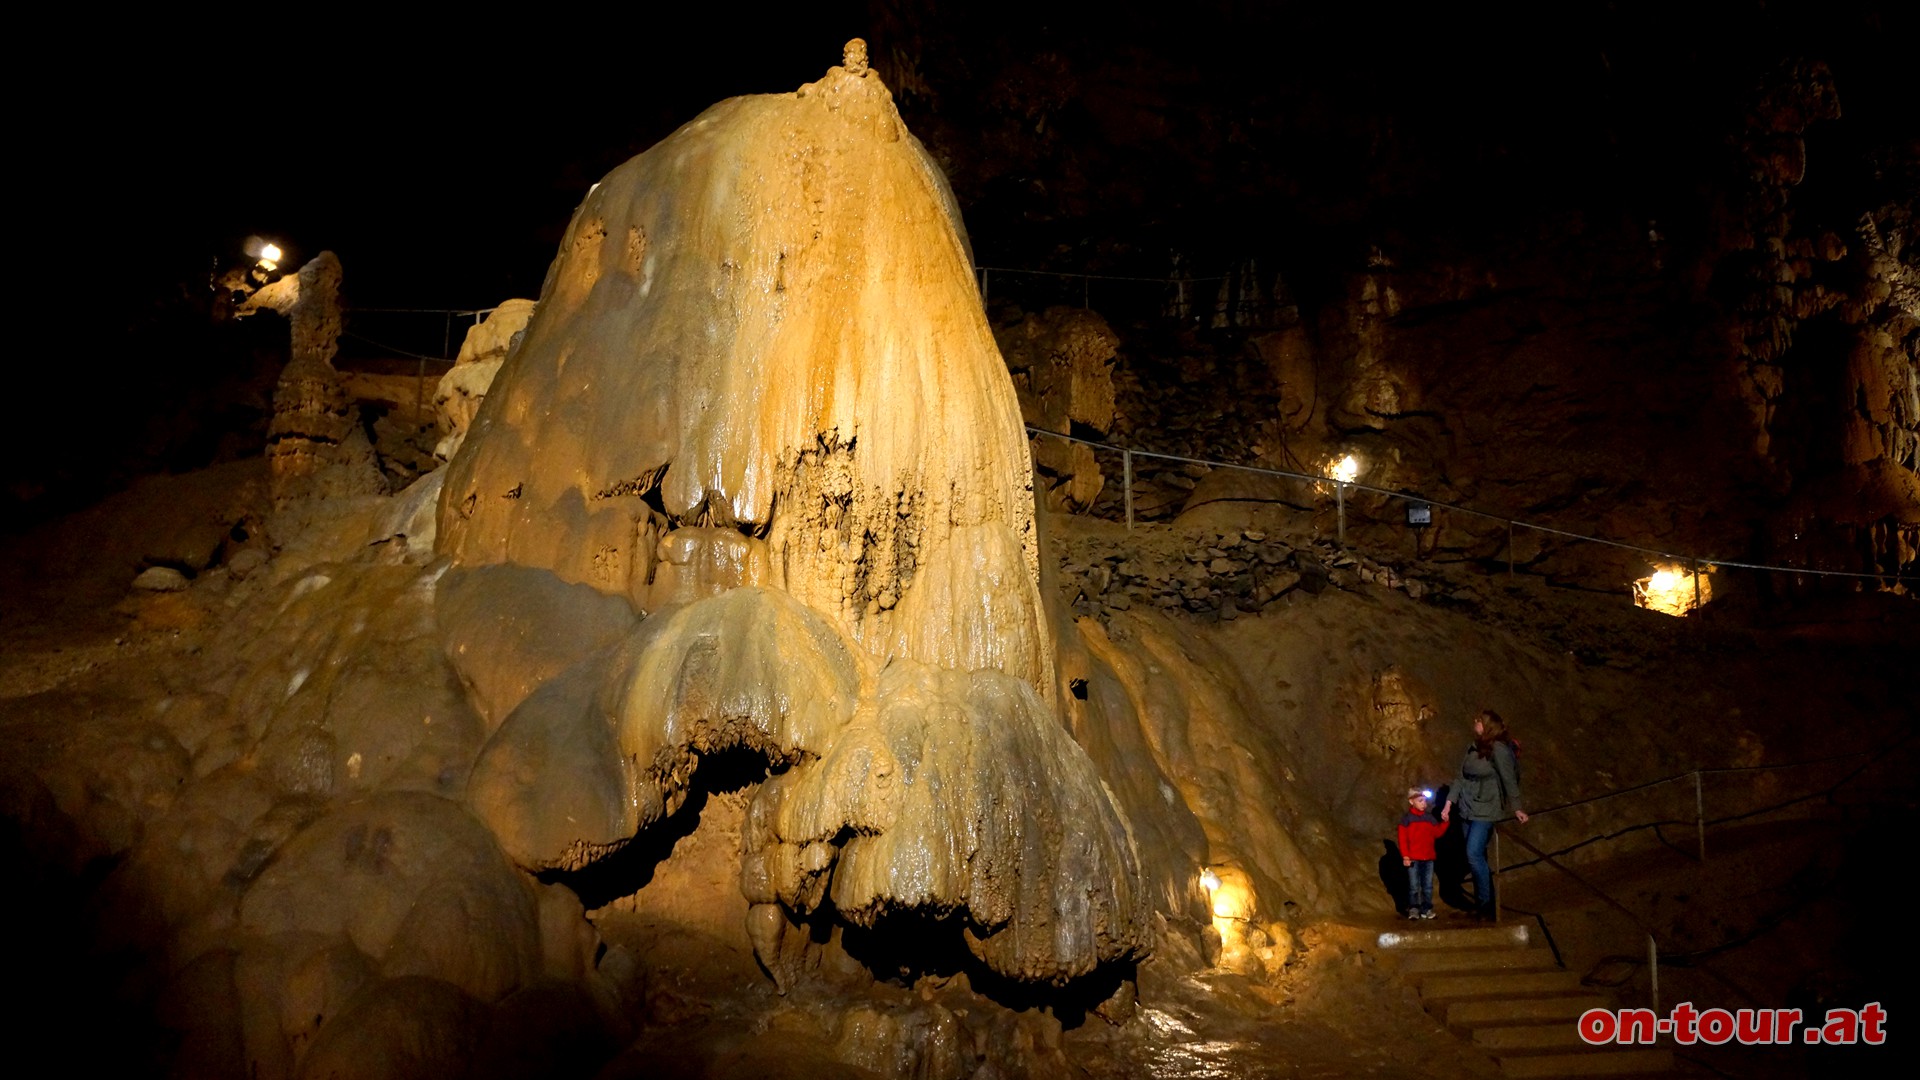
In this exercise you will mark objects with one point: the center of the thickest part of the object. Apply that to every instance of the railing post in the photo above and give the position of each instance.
(1700, 814)
(1509, 550)
(1496, 873)
(1126, 480)
(1340, 500)
(1653, 968)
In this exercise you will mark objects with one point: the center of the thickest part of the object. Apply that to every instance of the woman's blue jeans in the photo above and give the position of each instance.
(1478, 835)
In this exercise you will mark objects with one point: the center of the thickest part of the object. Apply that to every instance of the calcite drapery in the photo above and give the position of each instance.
(964, 793)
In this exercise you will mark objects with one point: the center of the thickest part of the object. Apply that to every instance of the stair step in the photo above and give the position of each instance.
(1442, 989)
(1529, 1037)
(1626, 1061)
(1427, 962)
(1471, 1014)
(1511, 935)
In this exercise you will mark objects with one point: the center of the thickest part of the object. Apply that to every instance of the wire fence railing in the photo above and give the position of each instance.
(392, 339)
(1694, 791)
(377, 337)
(1317, 483)
(1871, 758)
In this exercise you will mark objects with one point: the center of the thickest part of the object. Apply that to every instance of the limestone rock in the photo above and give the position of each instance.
(552, 1028)
(246, 563)
(549, 783)
(925, 1042)
(344, 687)
(401, 1029)
(465, 385)
(315, 445)
(491, 339)
(160, 579)
(1189, 714)
(750, 668)
(200, 1012)
(1062, 367)
(611, 747)
(415, 883)
(508, 629)
(963, 794)
(695, 562)
(180, 886)
(753, 323)
(759, 401)
(410, 522)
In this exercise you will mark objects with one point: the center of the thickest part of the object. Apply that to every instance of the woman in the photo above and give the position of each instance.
(1486, 787)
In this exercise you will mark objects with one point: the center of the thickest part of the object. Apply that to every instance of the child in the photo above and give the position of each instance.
(1418, 830)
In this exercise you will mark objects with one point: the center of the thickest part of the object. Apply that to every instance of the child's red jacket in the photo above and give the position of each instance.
(1417, 834)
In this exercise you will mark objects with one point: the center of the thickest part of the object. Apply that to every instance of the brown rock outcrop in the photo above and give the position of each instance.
(1062, 365)
(315, 446)
(482, 351)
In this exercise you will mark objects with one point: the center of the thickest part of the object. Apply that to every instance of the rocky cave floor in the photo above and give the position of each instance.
(1795, 894)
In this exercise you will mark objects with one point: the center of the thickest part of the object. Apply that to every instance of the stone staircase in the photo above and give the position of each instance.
(1491, 985)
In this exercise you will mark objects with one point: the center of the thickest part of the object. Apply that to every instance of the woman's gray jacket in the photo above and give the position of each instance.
(1486, 790)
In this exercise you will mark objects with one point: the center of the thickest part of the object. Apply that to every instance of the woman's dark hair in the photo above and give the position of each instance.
(1492, 730)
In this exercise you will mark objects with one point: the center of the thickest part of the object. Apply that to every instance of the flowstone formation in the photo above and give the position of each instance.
(759, 401)
(482, 352)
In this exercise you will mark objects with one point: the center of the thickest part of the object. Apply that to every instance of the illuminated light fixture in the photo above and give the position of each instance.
(1209, 880)
(1342, 472)
(271, 253)
(1672, 590)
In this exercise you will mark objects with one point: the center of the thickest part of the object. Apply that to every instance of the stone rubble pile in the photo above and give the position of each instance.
(1232, 574)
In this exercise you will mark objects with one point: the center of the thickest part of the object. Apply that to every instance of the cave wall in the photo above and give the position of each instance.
(1644, 286)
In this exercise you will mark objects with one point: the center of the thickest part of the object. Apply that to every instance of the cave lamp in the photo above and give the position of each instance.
(1342, 472)
(1672, 590)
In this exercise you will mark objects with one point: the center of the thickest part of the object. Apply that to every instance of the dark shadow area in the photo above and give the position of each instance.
(630, 868)
(1393, 875)
(902, 948)
(76, 988)
(1450, 860)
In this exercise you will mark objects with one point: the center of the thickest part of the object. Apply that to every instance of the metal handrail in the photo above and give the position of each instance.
(1653, 944)
(1700, 820)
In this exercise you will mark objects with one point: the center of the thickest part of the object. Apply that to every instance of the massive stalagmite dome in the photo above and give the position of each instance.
(759, 400)
(769, 323)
